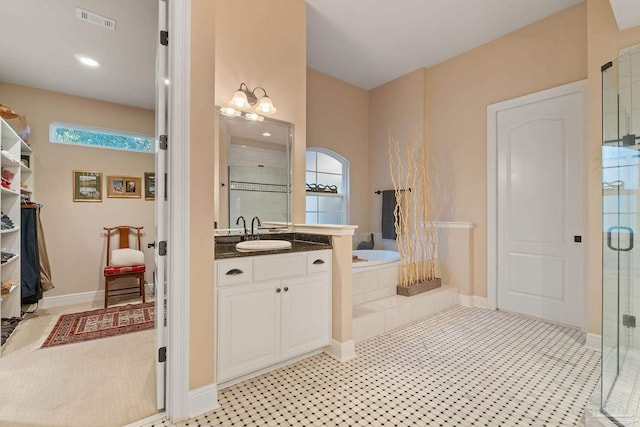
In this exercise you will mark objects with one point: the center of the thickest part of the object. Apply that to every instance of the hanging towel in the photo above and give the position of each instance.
(388, 206)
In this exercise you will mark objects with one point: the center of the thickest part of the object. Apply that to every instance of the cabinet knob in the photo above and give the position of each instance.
(286, 289)
(278, 290)
(234, 272)
(318, 261)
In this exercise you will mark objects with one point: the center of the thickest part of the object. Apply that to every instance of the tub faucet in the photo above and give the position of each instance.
(244, 224)
(253, 235)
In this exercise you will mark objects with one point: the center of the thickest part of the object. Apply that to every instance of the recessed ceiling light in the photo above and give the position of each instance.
(89, 62)
(167, 81)
(266, 134)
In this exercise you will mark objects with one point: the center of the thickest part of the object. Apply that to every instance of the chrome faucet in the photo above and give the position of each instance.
(253, 235)
(244, 223)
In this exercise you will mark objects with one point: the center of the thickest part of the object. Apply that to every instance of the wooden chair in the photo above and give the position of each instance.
(129, 263)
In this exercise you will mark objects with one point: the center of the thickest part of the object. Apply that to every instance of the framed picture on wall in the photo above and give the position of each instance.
(149, 185)
(123, 186)
(87, 186)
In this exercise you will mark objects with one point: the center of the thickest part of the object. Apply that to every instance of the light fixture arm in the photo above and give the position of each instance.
(251, 94)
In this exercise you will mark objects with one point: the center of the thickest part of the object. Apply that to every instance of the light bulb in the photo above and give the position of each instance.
(265, 106)
(239, 100)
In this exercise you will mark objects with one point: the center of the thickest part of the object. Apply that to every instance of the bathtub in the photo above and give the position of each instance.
(374, 258)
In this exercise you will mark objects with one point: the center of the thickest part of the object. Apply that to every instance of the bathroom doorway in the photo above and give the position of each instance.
(59, 196)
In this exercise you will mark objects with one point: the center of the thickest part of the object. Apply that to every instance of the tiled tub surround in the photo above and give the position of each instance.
(455, 252)
(377, 309)
(372, 283)
(225, 246)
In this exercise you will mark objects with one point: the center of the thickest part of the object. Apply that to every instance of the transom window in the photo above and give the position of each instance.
(327, 182)
(65, 133)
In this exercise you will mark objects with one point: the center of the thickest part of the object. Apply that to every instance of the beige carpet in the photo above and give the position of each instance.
(103, 382)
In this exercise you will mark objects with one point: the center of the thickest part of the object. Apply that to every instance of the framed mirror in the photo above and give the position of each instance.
(254, 170)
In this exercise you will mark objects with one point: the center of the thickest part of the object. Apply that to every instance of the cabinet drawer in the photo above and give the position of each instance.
(318, 261)
(233, 272)
(270, 267)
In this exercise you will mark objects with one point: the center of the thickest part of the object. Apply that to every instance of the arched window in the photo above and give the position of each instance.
(327, 179)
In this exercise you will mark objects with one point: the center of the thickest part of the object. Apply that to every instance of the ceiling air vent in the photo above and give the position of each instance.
(93, 18)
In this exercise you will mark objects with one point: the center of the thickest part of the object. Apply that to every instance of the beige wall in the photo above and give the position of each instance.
(548, 53)
(396, 107)
(201, 296)
(73, 230)
(277, 63)
(604, 42)
(338, 120)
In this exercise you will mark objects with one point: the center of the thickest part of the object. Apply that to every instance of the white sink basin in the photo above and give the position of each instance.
(262, 245)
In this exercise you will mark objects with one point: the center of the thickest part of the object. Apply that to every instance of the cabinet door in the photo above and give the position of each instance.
(248, 328)
(306, 315)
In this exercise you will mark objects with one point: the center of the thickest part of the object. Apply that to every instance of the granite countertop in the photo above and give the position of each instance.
(225, 246)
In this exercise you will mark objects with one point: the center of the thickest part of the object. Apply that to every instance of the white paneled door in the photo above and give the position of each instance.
(540, 206)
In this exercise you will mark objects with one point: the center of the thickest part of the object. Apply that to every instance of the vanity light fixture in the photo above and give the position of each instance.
(230, 112)
(244, 98)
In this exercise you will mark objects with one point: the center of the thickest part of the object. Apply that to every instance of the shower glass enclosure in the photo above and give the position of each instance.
(620, 394)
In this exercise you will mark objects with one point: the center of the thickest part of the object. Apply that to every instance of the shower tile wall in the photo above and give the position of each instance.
(258, 166)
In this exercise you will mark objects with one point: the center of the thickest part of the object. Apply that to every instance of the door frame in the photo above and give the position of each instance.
(579, 87)
(178, 183)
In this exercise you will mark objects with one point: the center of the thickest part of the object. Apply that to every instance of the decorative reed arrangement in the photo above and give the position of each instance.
(416, 233)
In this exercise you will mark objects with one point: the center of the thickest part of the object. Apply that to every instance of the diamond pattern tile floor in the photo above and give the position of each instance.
(459, 367)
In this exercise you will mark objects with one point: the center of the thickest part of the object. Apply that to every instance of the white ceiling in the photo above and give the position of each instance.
(627, 13)
(370, 42)
(39, 38)
(363, 42)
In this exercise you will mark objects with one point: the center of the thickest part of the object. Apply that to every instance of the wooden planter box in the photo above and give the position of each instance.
(419, 288)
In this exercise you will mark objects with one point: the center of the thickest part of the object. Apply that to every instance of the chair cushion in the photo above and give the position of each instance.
(126, 257)
(120, 270)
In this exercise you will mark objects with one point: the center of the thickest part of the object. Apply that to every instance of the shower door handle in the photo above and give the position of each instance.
(620, 228)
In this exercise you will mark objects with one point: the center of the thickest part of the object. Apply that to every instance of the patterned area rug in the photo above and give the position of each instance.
(101, 323)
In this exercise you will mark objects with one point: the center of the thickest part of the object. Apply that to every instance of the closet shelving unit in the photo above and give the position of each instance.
(10, 199)
(26, 172)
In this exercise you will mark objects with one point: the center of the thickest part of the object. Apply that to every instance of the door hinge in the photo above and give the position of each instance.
(164, 142)
(164, 38)
(162, 248)
(628, 320)
(162, 354)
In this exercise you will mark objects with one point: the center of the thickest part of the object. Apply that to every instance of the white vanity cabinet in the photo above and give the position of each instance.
(271, 308)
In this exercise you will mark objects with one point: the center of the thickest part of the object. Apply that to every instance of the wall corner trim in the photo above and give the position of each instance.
(474, 301)
(203, 400)
(342, 351)
(593, 342)
(465, 300)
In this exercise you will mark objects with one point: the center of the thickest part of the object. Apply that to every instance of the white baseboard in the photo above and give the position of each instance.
(481, 302)
(594, 342)
(473, 301)
(81, 298)
(342, 351)
(159, 417)
(203, 400)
